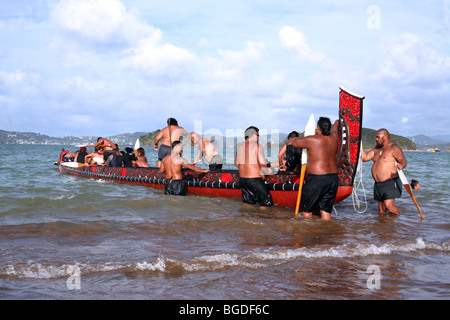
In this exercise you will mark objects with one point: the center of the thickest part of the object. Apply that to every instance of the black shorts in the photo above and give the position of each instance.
(163, 151)
(319, 191)
(255, 191)
(389, 189)
(107, 153)
(216, 162)
(175, 187)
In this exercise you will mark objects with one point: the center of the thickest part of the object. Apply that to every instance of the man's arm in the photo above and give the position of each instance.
(400, 157)
(261, 158)
(200, 152)
(366, 156)
(281, 153)
(335, 130)
(187, 165)
(301, 143)
(157, 138)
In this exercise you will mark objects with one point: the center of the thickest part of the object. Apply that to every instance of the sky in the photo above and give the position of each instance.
(104, 67)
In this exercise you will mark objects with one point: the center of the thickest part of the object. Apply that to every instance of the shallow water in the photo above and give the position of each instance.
(132, 242)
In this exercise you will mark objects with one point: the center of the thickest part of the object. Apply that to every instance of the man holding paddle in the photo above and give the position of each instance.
(321, 184)
(387, 158)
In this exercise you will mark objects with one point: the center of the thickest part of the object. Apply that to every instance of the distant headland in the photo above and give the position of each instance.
(416, 143)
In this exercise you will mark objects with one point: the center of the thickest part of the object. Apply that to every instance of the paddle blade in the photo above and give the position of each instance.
(310, 130)
(409, 189)
(402, 176)
(137, 145)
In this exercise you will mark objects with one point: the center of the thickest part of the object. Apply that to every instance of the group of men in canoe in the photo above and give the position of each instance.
(321, 184)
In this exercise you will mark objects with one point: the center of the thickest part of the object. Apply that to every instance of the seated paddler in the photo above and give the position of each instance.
(172, 164)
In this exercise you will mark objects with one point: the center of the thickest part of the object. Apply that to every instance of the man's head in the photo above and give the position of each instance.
(194, 137)
(324, 126)
(172, 122)
(293, 134)
(140, 152)
(251, 131)
(383, 136)
(177, 147)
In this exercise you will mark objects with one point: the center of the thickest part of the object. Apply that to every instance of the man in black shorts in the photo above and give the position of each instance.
(387, 158)
(319, 192)
(252, 166)
(321, 184)
(389, 189)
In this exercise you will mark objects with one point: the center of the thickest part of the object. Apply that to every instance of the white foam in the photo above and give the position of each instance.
(346, 251)
(159, 265)
(252, 260)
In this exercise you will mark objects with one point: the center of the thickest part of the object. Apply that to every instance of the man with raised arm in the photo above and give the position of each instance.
(387, 157)
(167, 136)
(321, 184)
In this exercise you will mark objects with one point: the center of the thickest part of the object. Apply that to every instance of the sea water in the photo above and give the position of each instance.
(68, 237)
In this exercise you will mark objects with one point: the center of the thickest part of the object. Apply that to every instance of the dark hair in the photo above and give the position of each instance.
(175, 143)
(293, 134)
(414, 183)
(172, 122)
(141, 151)
(324, 125)
(250, 131)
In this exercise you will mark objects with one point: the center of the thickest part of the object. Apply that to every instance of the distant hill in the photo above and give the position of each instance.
(420, 142)
(426, 142)
(149, 138)
(442, 137)
(369, 135)
(14, 137)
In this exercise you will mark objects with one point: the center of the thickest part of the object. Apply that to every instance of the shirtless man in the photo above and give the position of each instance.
(387, 157)
(95, 158)
(172, 165)
(141, 158)
(252, 166)
(321, 184)
(206, 149)
(169, 134)
(108, 147)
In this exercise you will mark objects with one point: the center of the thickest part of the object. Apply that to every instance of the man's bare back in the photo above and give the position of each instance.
(175, 131)
(321, 151)
(250, 159)
(206, 148)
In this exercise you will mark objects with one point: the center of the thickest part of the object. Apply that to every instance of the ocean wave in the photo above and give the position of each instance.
(252, 260)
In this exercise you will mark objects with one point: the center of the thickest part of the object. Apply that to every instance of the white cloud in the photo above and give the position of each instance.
(152, 58)
(233, 64)
(295, 40)
(105, 22)
(411, 61)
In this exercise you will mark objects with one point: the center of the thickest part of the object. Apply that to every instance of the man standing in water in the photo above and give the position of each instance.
(172, 165)
(250, 160)
(321, 184)
(387, 157)
(207, 150)
(169, 134)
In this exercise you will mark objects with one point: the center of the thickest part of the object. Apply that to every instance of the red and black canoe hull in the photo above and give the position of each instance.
(225, 183)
